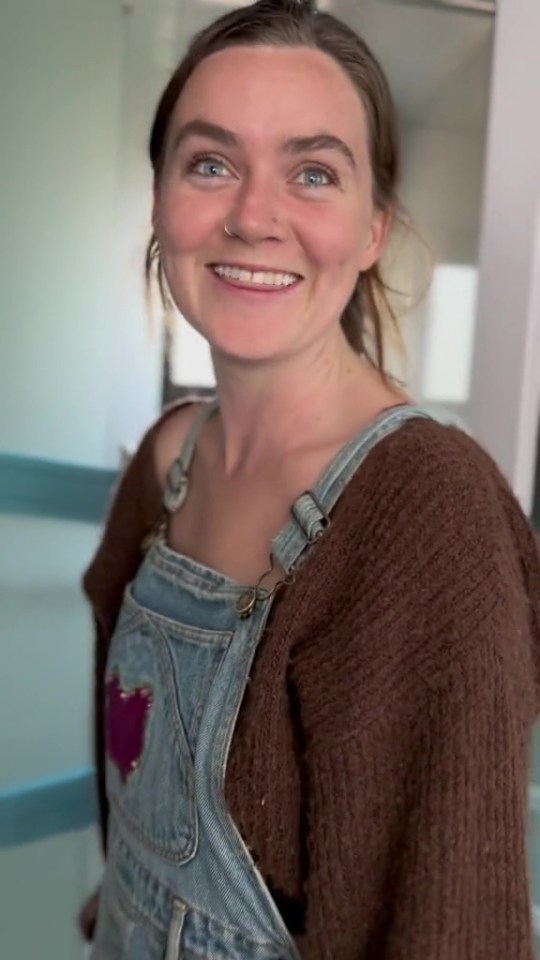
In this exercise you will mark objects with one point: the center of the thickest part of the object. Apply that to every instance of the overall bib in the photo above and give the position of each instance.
(179, 880)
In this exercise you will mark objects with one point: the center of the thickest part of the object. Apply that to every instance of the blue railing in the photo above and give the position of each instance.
(43, 488)
(43, 808)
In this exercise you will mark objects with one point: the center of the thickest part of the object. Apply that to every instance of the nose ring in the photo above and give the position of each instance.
(231, 233)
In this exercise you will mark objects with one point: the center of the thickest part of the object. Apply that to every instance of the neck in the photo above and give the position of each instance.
(320, 399)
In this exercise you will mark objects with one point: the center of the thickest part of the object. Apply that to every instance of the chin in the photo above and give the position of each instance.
(242, 341)
(248, 355)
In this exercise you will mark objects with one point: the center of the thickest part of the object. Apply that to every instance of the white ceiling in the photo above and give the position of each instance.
(438, 61)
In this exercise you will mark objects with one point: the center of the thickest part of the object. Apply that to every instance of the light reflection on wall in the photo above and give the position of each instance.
(190, 363)
(449, 334)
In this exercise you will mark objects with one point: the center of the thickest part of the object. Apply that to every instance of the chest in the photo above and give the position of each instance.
(229, 526)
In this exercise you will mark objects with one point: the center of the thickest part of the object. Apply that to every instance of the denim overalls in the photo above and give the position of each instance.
(179, 880)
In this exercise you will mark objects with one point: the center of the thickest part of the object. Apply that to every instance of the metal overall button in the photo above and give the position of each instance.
(245, 604)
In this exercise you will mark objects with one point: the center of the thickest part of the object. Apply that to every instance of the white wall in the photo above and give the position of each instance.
(54, 876)
(61, 75)
(134, 387)
(47, 648)
(505, 399)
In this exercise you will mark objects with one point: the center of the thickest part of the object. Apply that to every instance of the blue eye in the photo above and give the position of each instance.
(208, 167)
(316, 177)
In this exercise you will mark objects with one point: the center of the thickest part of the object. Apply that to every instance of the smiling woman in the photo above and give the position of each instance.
(305, 197)
(317, 610)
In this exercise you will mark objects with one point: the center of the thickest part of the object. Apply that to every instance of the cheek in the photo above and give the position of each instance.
(184, 223)
(336, 242)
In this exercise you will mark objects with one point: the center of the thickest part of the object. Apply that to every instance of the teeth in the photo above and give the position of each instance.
(258, 277)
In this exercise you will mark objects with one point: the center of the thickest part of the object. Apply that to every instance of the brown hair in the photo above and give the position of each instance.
(284, 23)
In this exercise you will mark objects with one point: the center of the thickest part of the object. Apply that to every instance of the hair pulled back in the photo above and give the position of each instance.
(292, 23)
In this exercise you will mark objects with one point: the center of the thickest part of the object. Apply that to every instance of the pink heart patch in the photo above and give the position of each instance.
(127, 713)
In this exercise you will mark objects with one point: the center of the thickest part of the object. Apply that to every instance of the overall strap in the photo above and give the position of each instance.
(176, 486)
(311, 511)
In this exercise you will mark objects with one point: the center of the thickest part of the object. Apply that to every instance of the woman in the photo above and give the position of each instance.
(322, 754)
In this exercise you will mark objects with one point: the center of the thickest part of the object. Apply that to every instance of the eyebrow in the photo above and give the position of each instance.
(203, 128)
(321, 141)
(296, 145)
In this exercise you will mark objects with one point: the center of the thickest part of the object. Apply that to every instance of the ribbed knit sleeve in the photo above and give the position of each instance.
(449, 879)
(416, 723)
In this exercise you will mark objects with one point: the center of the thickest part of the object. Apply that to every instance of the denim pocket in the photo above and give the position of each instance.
(158, 676)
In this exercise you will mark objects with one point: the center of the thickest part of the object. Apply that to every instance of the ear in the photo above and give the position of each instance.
(377, 237)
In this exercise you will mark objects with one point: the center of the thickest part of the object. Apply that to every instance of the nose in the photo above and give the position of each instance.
(256, 214)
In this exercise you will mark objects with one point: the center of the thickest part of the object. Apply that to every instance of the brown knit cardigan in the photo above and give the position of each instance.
(379, 768)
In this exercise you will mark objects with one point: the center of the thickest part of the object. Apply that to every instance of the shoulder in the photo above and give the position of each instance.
(435, 503)
(434, 573)
(431, 477)
(431, 543)
(427, 449)
(168, 434)
(136, 504)
(146, 469)
(162, 443)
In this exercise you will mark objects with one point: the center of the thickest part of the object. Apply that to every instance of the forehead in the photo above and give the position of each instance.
(265, 93)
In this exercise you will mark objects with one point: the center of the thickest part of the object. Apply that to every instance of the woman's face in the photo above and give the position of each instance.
(273, 143)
